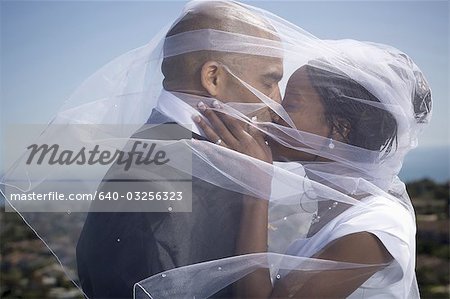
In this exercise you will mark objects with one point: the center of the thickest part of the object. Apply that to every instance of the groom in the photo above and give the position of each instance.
(154, 242)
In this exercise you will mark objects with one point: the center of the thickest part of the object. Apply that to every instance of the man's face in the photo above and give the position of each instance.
(261, 72)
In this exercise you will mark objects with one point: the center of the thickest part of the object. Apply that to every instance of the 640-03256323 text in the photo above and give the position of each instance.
(102, 196)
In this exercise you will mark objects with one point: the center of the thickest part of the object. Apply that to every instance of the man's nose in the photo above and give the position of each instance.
(276, 95)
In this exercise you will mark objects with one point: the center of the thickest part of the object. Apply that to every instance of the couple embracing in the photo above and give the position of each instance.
(296, 146)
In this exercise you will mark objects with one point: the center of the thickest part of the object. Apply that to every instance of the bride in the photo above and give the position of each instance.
(330, 106)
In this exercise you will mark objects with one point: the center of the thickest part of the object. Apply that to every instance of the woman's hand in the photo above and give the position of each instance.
(232, 133)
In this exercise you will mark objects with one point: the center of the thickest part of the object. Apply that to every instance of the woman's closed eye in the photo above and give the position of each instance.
(292, 105)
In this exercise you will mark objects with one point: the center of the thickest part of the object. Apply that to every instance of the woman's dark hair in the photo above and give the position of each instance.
(359, 124)
(421, 96)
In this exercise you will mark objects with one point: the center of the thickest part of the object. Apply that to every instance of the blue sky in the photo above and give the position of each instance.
(48, 48)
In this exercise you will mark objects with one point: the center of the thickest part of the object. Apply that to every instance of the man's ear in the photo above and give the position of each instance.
(211, 73)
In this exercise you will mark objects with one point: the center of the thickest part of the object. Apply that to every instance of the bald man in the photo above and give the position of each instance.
(154, 242)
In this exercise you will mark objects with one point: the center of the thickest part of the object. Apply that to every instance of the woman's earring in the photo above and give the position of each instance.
(331, 144)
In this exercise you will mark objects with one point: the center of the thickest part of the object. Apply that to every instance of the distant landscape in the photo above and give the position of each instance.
(427, 162)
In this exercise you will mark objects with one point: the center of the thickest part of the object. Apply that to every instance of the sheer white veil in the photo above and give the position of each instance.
(353, 178)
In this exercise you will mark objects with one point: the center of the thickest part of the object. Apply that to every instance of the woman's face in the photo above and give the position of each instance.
(305, 108)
